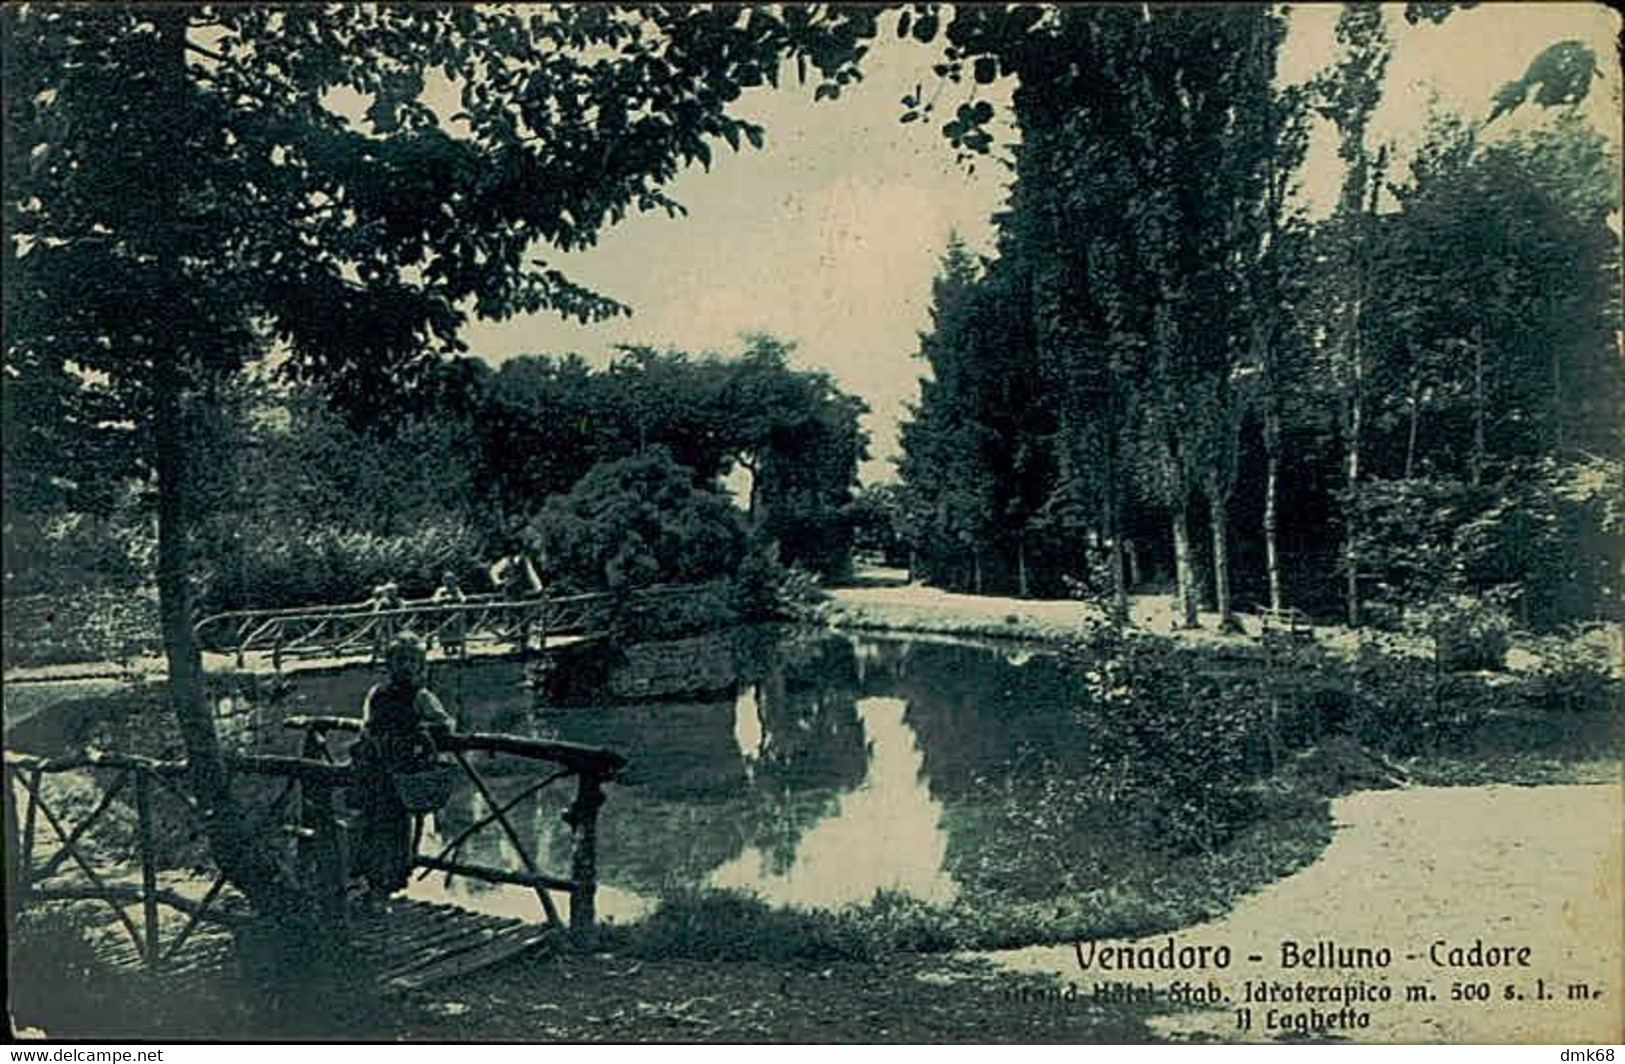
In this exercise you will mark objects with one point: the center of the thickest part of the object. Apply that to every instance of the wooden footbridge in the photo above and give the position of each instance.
(477, 625)
(480, 624)
(120, 835)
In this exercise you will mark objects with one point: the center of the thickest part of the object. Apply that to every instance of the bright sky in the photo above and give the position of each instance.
(831, 234)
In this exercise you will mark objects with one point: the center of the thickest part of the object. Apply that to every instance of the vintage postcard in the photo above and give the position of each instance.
(913, 523)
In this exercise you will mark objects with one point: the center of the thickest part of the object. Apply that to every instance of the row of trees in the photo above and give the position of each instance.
(1417, 394)
(306, 503)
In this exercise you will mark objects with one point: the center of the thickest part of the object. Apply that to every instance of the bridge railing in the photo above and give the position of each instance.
(590, 766)
(356, 629)
(95, 845)
(87, 856)
(362, 629)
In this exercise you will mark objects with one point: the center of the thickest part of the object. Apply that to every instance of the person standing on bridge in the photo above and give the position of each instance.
(385, 600)
(454, 628)
(516, 579)
(515, 576)
(402, 719)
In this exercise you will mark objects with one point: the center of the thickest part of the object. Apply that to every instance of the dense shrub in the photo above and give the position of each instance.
(725, 926)
(759, 581)
(638, 522)
(1546, 539)
(697, 608)
(1574, 677)
(1392, 701)
(1468, 634)
(266, 567)
(68, 552)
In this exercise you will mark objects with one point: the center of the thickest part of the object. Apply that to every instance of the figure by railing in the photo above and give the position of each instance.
(305, 814)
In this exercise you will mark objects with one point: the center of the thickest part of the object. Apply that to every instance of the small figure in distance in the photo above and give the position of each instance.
(384, 598)
(514, 575)
(450, 593)
(401, 721)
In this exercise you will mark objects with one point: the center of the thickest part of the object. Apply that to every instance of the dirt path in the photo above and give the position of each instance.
(889, 605)
(1540, 867)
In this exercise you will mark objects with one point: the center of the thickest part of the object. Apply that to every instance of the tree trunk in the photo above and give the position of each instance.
(1356, 429)
(1477, 464)
(1114, 516)
(976, 570)
(246, 865)
(1351, 553)
(1414, 400)
(1184, 569)
(752, 501)
(1557, 399)
(1272, 481)
(1021, 566)
(1219, 519)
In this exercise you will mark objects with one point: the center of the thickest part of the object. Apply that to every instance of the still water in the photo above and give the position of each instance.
(836, 766)
(840, 766)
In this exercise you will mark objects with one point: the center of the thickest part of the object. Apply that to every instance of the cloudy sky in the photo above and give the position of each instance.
(830, 235)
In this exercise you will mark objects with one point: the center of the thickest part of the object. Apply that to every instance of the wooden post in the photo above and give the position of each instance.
(30, 818)
(582, 816)
(322, 857)
(149, 868)
(16, 870)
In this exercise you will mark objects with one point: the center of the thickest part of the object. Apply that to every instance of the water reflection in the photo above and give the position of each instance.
(837, 767)
(829, 774)
(884, 834)
(808, 786)
(492, 849)
(748, 732)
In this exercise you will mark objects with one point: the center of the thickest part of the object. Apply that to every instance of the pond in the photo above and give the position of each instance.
(1033, 793)
(838, 767)
(829, 768)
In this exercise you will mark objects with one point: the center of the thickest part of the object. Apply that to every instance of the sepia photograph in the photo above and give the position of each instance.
(798, 523)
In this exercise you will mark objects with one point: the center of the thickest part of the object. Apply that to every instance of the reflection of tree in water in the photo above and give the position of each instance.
(810, 744)
(782, 818)
(807, 709)
(981, 720)
(708, 779)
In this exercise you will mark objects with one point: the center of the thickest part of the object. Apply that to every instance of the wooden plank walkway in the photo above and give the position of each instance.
(407, 946)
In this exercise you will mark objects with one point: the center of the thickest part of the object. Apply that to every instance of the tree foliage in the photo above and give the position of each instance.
(636, 522)
(1417, 374)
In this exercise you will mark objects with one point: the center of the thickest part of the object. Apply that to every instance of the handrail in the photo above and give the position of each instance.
(415, 607)
(595, 760)
(350, 629)
(305, 770)
(578, 757)
(365, 605)
(591, 766)
(317, 826)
